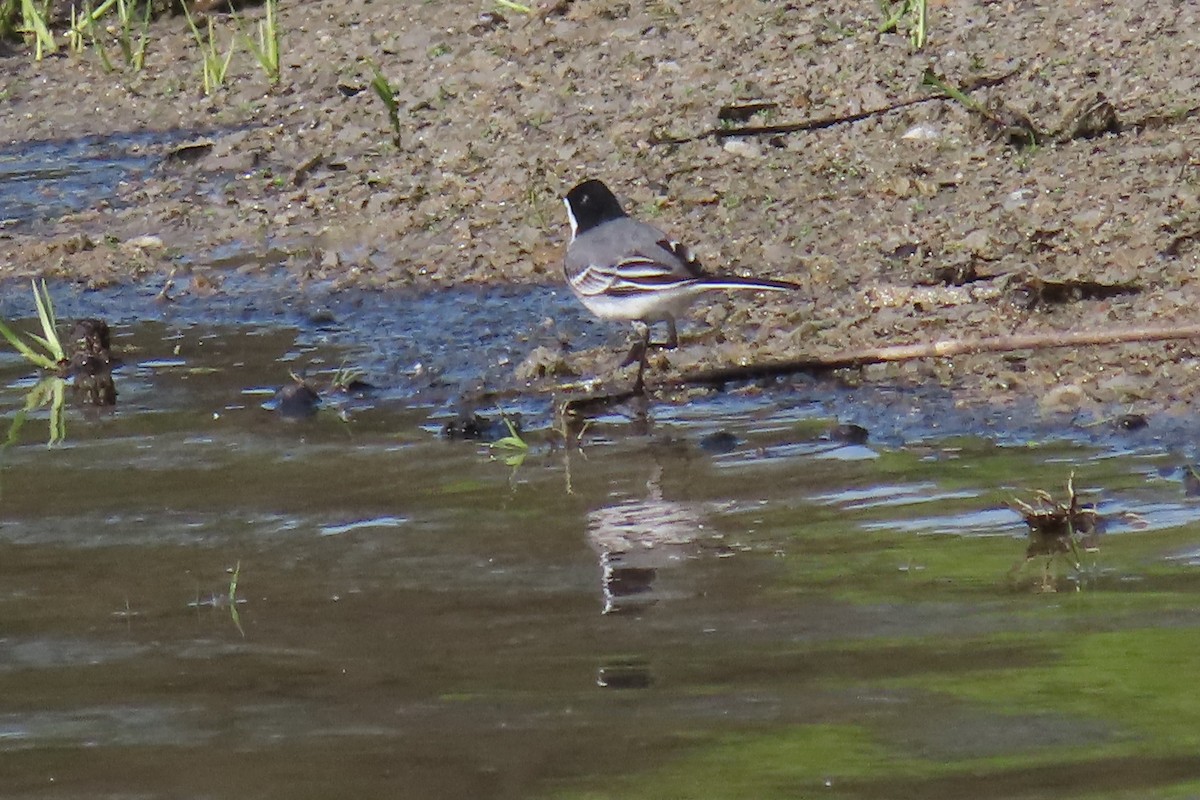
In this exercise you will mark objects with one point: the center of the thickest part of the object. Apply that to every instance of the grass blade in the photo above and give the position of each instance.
(35, 23)
(25, 350)
(45, 308)
(387, 95)
(58, 421)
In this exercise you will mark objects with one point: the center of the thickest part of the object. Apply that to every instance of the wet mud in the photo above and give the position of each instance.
(502, 112)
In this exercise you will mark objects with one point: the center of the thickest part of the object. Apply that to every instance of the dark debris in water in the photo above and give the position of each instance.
(1131, 422)
(849, 433)
(353, 385)
(302, 398)
(1191, 480)
(1058, 527)
(91, 348)
(719, 442)
(471, 426)
(90, 363)
(297, 400)
(625, 674)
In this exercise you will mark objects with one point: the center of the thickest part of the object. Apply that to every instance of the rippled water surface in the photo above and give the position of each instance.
(201, 599)
(41, 181)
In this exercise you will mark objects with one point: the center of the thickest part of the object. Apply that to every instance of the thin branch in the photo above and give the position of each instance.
(946, 348)
(585, 398)
(827, 122)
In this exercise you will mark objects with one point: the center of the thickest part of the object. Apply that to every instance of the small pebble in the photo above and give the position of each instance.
(743, 148)
(922, 132)
(145, 242)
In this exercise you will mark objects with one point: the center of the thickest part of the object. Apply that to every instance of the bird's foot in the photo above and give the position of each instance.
(641, 349)
(637, 353)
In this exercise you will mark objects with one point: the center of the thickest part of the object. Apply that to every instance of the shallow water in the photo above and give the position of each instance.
(723, 603)
(43, 180)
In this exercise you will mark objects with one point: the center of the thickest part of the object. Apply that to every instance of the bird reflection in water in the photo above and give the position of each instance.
(636, 538)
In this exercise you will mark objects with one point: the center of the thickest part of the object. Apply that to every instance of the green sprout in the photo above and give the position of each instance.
(511, 6)
(49, 355)
(215, 600)
(74, 33)
(516, 447)
(931, 78)
(133, 49)
(387, 94)
(214, 66)
(914, 13)
(33, 23)
(53, 355)
(133, 53)
(236, 573)
(266, 47)
(83, 21)
(49, 391)
(85, 24)
(344, 378)
(532, 195)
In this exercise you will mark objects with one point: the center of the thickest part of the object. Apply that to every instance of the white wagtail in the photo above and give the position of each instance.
(620, 268)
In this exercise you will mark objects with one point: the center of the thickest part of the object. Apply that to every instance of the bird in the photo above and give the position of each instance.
(620, 268)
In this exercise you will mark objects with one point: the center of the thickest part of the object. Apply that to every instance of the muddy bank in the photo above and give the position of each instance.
(904, 226)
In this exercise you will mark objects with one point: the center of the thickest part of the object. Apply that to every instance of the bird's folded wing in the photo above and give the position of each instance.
(628, 276)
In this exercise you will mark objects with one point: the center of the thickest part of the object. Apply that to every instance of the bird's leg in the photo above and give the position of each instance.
(639, 385)
(672, 335)
(637, 351)
(671, 343)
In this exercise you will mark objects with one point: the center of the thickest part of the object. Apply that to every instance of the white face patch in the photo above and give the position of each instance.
(571, 219)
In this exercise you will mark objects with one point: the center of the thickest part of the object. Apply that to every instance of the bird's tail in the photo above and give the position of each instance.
(753, 284)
